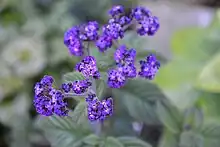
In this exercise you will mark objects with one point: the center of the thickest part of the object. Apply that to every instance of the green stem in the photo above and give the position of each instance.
(73, 94)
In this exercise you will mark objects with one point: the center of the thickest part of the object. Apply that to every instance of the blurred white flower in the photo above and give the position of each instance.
(25, 56)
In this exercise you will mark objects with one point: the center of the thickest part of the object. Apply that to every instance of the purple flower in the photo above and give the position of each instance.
(113, 30)
(88, 67)
(74, 37)
(139, 13)
(116, 10)
(116, 79)
(66, 87)
(129, 71)
(80, 87)
(107, 108)
(90, 97)
(89, 31)
(149, 67)
(72, 42)
(123, 56)
(103, 43)
(99, 110)
(148, 24)
(93, 110)
(47, 100)
(124, 20)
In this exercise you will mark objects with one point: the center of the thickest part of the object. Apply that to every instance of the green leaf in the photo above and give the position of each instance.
(209, 103)
(91, 140)
(211, 130)
(209, 78)
(169, 139)
(79, 114)
(192, 54)
(72, 76)
(61, 132)
(191, 139)
(133, 142)
(113, 142)
(139, 43)
(139, 97)
(104, 60)
(193, 118)
(100, 88)
(169, 116)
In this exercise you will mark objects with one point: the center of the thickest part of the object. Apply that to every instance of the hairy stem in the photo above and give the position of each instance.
(73, 94)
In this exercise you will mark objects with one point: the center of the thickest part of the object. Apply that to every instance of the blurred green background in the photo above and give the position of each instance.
(180, 108)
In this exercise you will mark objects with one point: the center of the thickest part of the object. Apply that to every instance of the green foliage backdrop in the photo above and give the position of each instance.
(180, 108)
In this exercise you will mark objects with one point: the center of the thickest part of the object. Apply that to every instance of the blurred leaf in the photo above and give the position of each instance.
(191, 139)
(113, 142)
(34, 27)
(210, 105)
(133, 142)
(104, 60)
(87, 12)
(133, 40)
(193, 118)
(62, 132)
(211, 133)
(169, 116)
(10, 112)
(169, 139)
(211, 130)
(209, 79)
(100, 88)
(58, 51)
(79, 114)
(139, 97)
(91, 140)
(60, 19)
(191, 54)
(9, 85)
(72, 76)
(21, 131)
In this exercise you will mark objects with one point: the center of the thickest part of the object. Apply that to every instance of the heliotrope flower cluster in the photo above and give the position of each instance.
(125, 69)
(49, 101)
(149, 67)
(88, 67)
(75, 36)
(98, 110)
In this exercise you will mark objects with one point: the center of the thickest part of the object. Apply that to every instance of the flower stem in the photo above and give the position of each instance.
(73, 94)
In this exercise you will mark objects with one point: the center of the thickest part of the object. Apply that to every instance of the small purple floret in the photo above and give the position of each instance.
(99, 110)
(80, 87)
(87, 66)
(116, 79)
(149, 67)
(103, 43)
(116, 10)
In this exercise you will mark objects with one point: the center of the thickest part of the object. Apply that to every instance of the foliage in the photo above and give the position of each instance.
(183, 99)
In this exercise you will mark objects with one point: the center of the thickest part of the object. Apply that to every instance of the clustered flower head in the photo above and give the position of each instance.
(88, 67)
(49, 101)
(98, 110)
(149, 67)
(74, 37)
